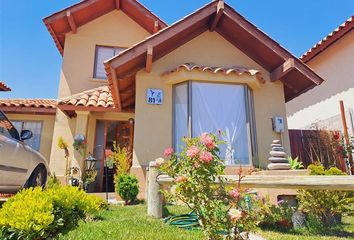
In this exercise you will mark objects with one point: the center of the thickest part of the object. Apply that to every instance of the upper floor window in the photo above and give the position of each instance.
(212, 107)
(103, 53)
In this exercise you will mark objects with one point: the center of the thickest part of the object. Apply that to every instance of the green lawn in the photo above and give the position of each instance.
(132, 223)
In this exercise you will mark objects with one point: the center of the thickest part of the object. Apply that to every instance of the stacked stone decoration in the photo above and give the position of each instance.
(278, 158)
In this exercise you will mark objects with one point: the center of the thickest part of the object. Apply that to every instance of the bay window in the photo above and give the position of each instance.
(215, 107)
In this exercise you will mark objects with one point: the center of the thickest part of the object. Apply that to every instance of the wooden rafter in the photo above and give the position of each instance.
(156, 26)
(115, 89)
(118, 6)
(282, 70)
(149, 55)
(71, 21)
(127, 94)
(219, 12)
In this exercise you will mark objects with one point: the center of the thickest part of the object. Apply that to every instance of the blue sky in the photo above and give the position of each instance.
(30, 63)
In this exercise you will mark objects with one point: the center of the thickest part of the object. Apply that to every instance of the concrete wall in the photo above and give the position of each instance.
(47, 129)
(153, 123)
(321, 104)
(114, 29)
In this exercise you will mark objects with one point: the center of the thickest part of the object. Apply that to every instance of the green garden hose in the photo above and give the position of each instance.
(185, 221)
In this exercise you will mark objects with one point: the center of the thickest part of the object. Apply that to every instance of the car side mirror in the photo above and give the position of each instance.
(26, 134)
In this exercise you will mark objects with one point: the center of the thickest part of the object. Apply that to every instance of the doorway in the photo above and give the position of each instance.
(108, 132)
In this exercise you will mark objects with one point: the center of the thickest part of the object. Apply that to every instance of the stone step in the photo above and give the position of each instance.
(275, 145)
(278, 160)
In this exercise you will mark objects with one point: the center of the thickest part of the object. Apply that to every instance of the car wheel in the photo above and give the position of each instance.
(38, 177)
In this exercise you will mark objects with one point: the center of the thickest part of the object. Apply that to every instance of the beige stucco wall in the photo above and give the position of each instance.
(47, 129)
(113, 29)
(153, 123)
(336, 66)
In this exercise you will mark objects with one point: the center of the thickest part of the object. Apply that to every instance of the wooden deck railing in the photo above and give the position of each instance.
(156, 182)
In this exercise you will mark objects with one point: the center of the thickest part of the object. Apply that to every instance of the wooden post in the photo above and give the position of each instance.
(346, 136)
(154, 194)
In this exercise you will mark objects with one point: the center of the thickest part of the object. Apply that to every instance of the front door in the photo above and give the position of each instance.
(108, 132)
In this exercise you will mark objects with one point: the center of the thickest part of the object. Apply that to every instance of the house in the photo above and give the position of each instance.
(37, 115)
(128, 77)
(333, 59)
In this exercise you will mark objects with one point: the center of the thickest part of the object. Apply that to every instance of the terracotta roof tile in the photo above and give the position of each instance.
(336, 34)
(97, 97)
(4, 87)
(225, 70)
(33, 103)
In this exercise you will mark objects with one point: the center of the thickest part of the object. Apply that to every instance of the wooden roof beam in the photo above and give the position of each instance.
(118, 5)
(282, 70)
(115, 90)
(149, 55)
(156, 26)
(71, 21)
(219, 11)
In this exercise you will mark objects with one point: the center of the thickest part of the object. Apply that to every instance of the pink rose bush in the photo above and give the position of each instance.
(206, 157)
(207, 140)
(168, 152)
(192, 151)
(195, 170)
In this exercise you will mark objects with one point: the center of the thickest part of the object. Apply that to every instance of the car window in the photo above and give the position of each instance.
(6, 128)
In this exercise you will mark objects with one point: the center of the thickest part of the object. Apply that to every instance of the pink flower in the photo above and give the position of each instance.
(208, 141)
(235, 214)
(234, 193)
(168, 152)
(181, 179)
(159, 162)
(206, 157)
(192, 151)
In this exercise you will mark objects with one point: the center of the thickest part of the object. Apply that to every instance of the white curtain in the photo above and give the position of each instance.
(36, 128)
(180, 115)
(102, 54)
(222, 107)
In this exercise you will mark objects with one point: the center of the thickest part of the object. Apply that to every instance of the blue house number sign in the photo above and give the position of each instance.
(154, 96)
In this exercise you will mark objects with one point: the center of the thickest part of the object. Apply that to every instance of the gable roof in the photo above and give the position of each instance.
(29, 106)
(327, 41)
(70, 18)
(296, 76)
(4, 87)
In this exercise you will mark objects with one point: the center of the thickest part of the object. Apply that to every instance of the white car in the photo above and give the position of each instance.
(20, 165)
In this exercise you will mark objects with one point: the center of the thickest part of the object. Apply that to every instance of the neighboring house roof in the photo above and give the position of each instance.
(95, 100)
(227, 71)
(4, 87)
(77, 15)
(29, 106)
(327, 41)
(296, 76)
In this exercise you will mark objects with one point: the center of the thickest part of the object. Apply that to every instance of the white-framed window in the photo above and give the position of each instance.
(215, 107)
(34, 126)
(102, 54)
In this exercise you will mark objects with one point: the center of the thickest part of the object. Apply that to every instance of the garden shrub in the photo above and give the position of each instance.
(276, 216)
(325, 205)
(35, 213)
(223, 213)
(127, 187)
